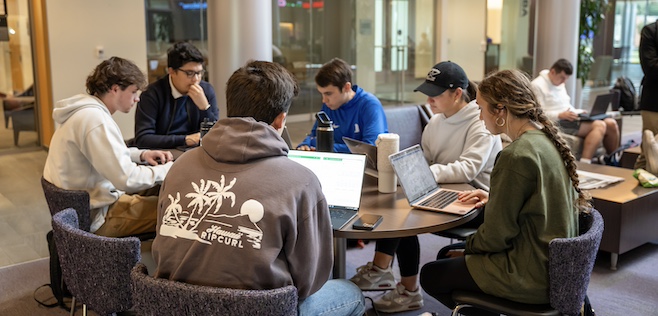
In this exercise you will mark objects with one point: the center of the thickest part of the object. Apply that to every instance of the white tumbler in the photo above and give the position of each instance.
(387, 144)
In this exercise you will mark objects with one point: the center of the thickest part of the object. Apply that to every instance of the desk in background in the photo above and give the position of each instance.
(628, 210)
(399, 219)
(629, 156)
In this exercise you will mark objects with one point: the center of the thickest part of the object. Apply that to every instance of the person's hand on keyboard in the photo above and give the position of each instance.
(156, 157)
(478, 195)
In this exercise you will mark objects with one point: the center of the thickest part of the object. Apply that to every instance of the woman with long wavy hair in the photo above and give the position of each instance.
(534, 197)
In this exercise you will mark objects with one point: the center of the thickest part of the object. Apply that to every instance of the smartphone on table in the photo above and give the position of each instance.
(367, 222)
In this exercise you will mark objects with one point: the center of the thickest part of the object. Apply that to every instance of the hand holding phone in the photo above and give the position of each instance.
(367, 222)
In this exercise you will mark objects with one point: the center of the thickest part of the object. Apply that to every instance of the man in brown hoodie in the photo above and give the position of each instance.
(237, 213)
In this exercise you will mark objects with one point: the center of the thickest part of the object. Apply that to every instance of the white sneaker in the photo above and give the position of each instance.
(399, 300)
(370, 277)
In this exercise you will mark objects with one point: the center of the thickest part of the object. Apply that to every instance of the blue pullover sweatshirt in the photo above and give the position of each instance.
(361, 118)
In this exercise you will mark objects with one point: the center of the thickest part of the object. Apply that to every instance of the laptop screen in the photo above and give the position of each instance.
(413, 172)
(359, 147)
(341, 175)
(601, 104)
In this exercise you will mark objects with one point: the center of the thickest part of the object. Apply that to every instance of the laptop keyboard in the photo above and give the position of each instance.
(440, 200)
(340, 213)
(340, 217)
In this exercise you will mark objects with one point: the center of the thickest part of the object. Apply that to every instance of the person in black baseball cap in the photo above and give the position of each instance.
(447, 76)
(443, 76)
(459, 149)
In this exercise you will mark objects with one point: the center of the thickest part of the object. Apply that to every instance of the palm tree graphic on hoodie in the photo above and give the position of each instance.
(203, 209)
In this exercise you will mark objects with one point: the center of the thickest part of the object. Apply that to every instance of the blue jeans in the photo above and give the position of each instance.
(336, 297)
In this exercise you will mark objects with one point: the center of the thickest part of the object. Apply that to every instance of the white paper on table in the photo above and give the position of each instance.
(591, 180)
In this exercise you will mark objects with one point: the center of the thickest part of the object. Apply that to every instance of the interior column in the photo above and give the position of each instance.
(238, 31)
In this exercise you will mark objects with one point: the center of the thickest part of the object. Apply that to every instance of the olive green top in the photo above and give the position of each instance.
(531, 201)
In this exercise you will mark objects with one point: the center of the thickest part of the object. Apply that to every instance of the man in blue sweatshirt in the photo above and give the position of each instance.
(355, 113)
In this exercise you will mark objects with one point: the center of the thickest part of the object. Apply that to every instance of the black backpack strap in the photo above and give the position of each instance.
(43, 303)
(56, 285)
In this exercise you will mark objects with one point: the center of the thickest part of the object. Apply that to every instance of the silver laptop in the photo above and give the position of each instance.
(360, 147)
(599, 109)
(418, 183)
(341, 177)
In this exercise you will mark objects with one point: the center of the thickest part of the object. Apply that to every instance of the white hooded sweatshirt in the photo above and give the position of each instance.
(87, 152)
(553, 99)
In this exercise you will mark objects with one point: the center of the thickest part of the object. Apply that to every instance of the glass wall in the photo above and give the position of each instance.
(300, 43)
(403, 48)
(516, 41)
(389, 43)
(169, 21)
(17, 96)
(630, 17)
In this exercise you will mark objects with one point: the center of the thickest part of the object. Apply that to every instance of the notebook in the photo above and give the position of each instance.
(341, 177)
(418, 183)
(599, 108)
(359, 147)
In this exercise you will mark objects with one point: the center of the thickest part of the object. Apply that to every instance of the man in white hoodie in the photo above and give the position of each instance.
(553, 98)
(88, 152)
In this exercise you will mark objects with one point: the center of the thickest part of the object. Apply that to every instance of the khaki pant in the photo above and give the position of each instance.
(650, 122)
(132, 214)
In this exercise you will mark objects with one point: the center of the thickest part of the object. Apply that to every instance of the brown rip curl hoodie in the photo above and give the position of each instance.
(237, 213)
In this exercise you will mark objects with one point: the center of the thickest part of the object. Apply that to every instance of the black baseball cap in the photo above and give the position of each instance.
(443, 76)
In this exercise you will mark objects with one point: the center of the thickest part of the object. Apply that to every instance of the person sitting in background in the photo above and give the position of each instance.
(87, 152)
(648, 53)
(354, 112)
(171, 109)
(237, 213)
(459, 149)
(534, 198)
(553, 98)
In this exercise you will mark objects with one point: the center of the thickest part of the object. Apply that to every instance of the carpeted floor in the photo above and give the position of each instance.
(631, 290)
(17, 285)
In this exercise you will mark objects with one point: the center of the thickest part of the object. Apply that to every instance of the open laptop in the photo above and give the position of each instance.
(418, 183)
(286, 137)
(341, 177)
(599, 108)
(359, 147)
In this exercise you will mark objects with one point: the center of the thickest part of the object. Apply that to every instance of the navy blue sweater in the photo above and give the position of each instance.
(157, 126)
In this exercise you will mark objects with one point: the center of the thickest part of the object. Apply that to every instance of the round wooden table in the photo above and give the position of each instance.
(399, 219)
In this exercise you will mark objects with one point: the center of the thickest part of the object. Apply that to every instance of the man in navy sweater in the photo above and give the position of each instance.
(355, 113)
(170, 111)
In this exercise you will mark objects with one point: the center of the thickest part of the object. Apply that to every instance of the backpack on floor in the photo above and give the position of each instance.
(628, 94)
(614, 158)
(56, 281)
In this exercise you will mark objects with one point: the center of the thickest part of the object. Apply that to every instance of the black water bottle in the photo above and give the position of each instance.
(324, 133)
(204, 127)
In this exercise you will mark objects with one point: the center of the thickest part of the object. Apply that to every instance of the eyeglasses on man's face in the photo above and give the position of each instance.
(191, 73)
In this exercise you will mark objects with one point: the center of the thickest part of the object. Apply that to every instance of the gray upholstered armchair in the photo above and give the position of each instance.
(59, 199)
(408, 121)
(570, 265)
(96, 269)
(163, 297)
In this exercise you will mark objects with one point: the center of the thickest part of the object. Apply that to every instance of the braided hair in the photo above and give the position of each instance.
(512, 88)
